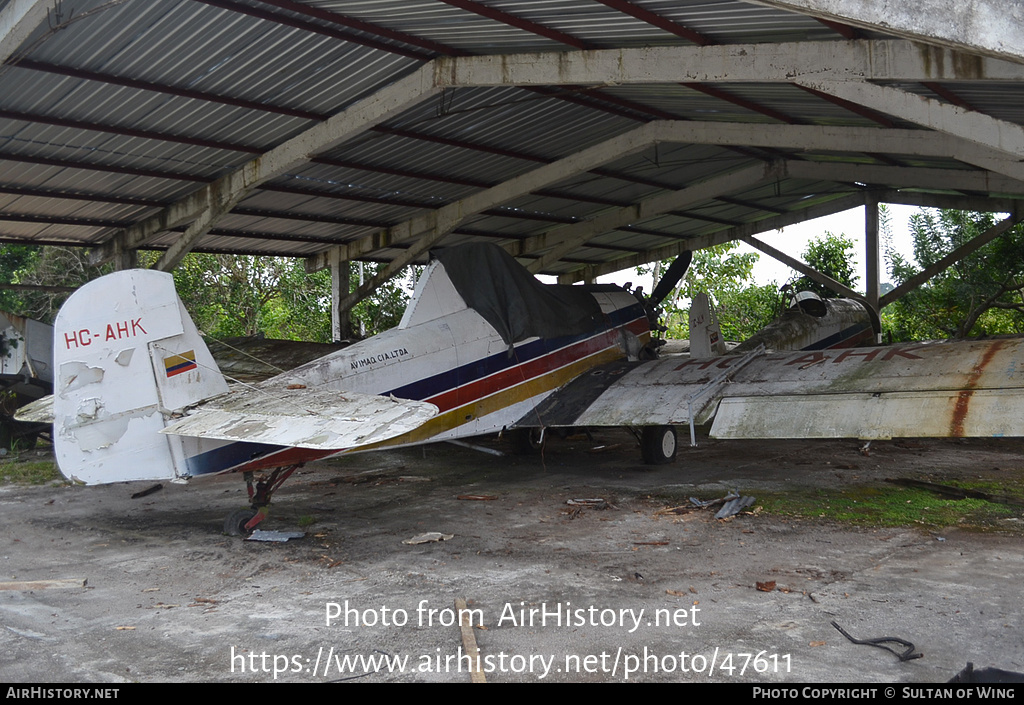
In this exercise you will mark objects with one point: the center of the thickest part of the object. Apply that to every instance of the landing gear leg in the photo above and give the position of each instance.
(242, 522)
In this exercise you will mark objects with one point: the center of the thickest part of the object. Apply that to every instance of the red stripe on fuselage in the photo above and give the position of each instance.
(478, 389)
(860, 338)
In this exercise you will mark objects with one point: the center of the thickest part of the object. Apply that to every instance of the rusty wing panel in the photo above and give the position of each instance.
(993, 412)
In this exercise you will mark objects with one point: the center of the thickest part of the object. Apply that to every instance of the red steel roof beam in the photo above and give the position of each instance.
(852, 107)
(741, 102)
(658, 21)
(518, 22)
(162, 88)
(308, 26)
(948, 95)
(363, 26)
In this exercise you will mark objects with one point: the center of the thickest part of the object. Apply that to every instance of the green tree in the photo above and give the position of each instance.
(226, 295)
(981, 294)
(229, 295)
(45, 266)
(832, 255)
(14, 259)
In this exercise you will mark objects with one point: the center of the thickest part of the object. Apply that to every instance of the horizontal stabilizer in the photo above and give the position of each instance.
(304, 418)
(39, 411)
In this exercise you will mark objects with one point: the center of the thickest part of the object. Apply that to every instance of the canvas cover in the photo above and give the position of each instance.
(512, 300)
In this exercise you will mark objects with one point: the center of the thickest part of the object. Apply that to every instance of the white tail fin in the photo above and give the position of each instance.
(705, 333)
(126, 355)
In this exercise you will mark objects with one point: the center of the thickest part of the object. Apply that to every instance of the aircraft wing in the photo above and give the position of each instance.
(913, 390)
(39, 411)
(302, 417)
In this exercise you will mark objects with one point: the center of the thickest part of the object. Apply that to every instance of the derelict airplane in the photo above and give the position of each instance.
(482, 347)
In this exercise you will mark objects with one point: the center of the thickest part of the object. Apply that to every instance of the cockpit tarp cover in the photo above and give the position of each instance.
(509, 298)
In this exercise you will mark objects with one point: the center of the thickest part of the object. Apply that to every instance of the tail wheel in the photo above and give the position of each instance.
(658, 444)
(234, 525)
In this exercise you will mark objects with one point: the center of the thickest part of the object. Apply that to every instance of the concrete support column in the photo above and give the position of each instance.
(126, 259)
(341, 321)
(872, 256)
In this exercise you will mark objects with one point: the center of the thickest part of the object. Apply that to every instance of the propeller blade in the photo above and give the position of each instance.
(672, 276)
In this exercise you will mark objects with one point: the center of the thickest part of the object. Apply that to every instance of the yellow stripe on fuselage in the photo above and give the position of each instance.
(453, 418)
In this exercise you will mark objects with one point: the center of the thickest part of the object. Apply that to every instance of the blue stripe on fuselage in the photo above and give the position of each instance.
(423, 389)
(227, 456)
(837, 337)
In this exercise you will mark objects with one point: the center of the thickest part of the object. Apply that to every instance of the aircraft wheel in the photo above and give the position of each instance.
(234, 525)
(658, 444)
(526, 441)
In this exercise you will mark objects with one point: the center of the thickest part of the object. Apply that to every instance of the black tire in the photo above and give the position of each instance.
(658, 444)
(234, 525)
(525, 441)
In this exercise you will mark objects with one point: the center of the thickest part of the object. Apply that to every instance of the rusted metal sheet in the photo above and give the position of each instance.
(925, 389)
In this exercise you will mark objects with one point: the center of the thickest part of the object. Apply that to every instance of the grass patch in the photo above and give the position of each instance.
(28, 472)
(892, 505)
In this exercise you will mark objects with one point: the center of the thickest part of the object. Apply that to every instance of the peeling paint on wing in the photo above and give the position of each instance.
(305, 418)
(124, 357)
(39, 411)
(246, 429)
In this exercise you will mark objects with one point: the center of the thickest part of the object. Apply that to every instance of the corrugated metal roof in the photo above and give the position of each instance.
(116, 110)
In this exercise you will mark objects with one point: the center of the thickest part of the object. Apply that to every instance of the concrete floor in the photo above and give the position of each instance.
(649, 597)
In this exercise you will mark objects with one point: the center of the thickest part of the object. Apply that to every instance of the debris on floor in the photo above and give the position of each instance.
(274, 536)
(730, 505)
(148, 491)
(576, 506)
(908, 654)
(44, 584)
(429, 537)
(594, 503)
(605, 448)
(734, 506)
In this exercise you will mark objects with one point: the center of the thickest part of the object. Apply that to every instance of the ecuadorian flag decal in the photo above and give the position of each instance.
(176, 364)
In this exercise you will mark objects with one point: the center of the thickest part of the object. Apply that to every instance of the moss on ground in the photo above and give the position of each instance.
(894, 505)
